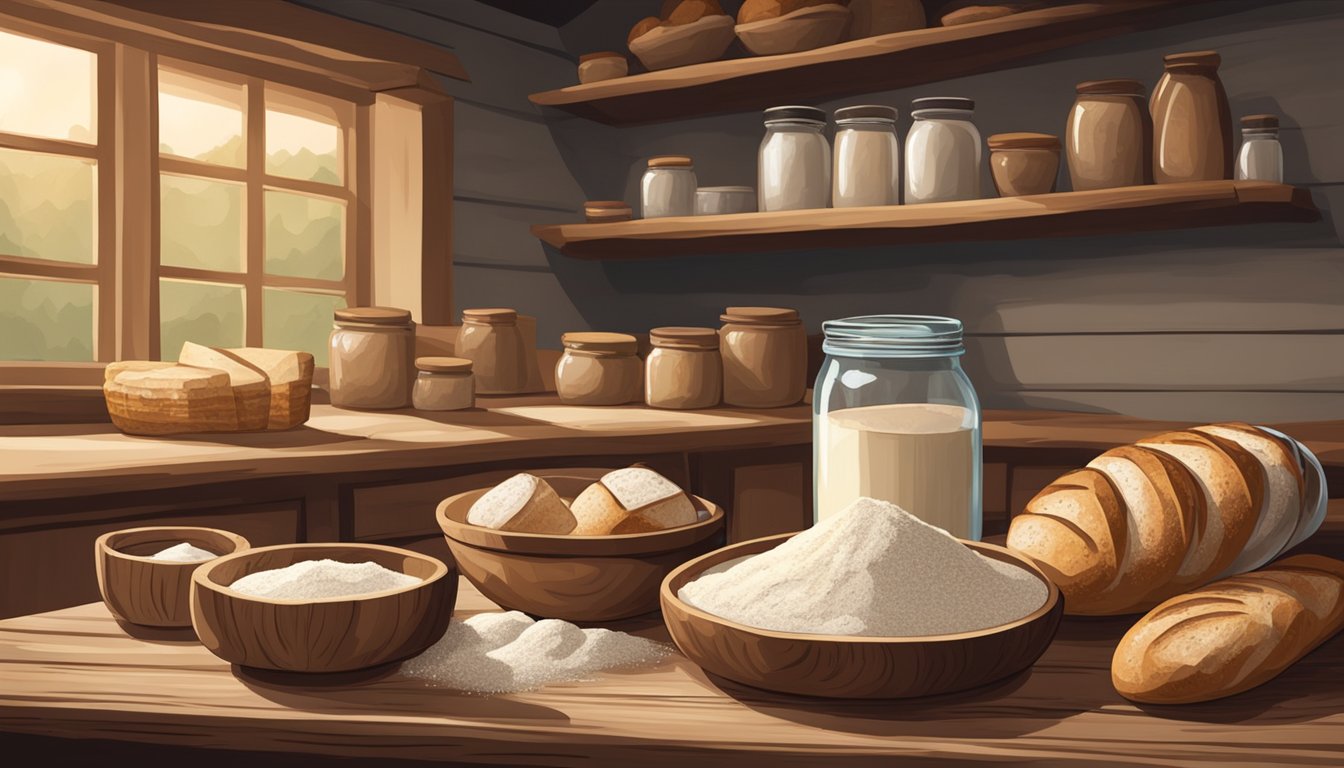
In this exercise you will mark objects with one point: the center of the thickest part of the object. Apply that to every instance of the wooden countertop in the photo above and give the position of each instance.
(42, 461)
(75, 673)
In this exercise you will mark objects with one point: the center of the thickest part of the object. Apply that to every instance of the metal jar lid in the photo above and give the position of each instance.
(1260, 122)
(795, 112)
(866, 112)
(943, 102)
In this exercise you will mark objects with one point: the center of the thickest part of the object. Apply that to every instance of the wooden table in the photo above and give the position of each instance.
(76, 674)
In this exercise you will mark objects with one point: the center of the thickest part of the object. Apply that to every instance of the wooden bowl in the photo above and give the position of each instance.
(154, 593)
(854, 667)
(576, 578)
(335, 634)
(704, 40)
(801, 30)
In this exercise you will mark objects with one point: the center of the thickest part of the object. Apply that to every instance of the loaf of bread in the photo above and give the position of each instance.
(290, 375)
(643, 27)
(251, 387)
(688, 11)
(1232, 635)
(525, 504)
(631, 500)
(760, 10)
(1144, 522)
(171, 399)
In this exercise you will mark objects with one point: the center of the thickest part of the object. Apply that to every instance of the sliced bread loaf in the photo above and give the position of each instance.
(251, 387)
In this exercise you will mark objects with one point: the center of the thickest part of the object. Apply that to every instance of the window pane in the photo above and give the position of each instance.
(47, 89)
(47, 206)
(206, 313)
(301, 147)
(45, 320)
(295, 320)
(202, 118)
(304, 236)
(200, 223)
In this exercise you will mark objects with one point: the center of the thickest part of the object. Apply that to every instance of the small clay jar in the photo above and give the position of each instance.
(684, 370)
(599, 369)
(443, 384)
(764, 351)
(490, 339)
(372, 357)
(603, 65)
(1024, 163)
(1192, 123)
(1109, 136)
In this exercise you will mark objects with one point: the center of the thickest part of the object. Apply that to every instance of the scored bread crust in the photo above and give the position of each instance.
(1076, 530)
(523, 504)
(631, 500)
(1232, 635)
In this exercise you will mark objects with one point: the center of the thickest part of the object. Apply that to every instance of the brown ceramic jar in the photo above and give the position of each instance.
(684, 370)
(764, 352)
(1192, 124)
(1109, 136)
(372, 358)
(490, 339)
(1024, 163)
(599, 369)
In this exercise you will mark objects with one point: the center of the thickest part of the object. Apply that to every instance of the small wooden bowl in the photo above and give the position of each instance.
(801, 30)
(703, 40)
(154, 593)
(854, 667)
(335, 634)
(576, 578)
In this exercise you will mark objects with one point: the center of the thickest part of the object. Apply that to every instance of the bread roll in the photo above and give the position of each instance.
(524, 503)
(631, 500)
(760, 10)
(688, 11)
(1232, 635)
(643, 27)
(1283, 497)
(251, 387)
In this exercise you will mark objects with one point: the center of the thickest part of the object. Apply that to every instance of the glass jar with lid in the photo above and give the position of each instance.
(867, 157)
(443, 384)
(764, 351)
(896, 418)
(599, 369)
(372, 354)
(684, 370)
(793, 170)
(1109, 136)
(668, 187)
(942, 151)
(1261, 157)
(491, 340)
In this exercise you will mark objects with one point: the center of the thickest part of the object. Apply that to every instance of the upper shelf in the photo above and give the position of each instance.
(1062, 214)
(872, 64)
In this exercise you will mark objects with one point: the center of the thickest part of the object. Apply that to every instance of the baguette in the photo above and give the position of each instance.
(1232, 635)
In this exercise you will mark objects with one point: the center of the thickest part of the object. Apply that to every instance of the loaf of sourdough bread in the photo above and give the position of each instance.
(631, 500)
(524, 503)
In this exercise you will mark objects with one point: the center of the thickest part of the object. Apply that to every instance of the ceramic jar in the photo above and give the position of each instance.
(599, 369)
(867, 157)
(684, 370)
(793, 169)
(443, 384)
(372, 353)
(1023, 163)
(942, 152)
(1192, 123)
(1109, 136)
(764, 351)
(1261, 156)
(490, 339)
(668, 187)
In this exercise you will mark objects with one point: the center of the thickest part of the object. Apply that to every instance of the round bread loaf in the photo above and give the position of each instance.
(760, 10)
(688, 11)
(643, 27)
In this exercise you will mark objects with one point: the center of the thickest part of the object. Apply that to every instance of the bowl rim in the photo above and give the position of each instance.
(202, 575)
(835, 8)
(1052, 602)
(103, 543)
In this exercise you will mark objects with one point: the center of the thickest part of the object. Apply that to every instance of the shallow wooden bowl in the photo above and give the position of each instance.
(854, 667)
(335, 634)
(154, 593)
(703, 40)
(802, 30)
(576, 578)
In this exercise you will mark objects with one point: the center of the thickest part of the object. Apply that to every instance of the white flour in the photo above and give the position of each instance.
(184, 553)
(871, 569)
(509, 652)
(317, 579)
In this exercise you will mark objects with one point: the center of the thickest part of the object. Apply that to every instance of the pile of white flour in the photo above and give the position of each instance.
(317, 579)
(184, 553)
(509, 652)
(872, 569)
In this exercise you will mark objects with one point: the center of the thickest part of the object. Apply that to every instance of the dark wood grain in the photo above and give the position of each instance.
(577, 578)
(154, 593)
(321, 636)
(1062, 214)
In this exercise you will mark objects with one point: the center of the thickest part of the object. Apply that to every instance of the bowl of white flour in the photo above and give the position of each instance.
(869, 603)
(321, 608)
(144, 574)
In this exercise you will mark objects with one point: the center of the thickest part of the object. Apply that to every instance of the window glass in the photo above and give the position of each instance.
(202, 119)
(46, 320)
(304, 236)
(298, 320)
(301, 147)
(201, 223)
(206, 313)
(47, 206)
(47, 90)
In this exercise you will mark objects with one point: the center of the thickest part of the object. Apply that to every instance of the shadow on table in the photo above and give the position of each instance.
(160, 635)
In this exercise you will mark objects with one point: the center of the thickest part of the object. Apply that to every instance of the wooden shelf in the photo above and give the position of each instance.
(1063, 214)
(872, 64)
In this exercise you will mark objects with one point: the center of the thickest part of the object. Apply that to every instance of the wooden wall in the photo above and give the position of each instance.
(1243, 323)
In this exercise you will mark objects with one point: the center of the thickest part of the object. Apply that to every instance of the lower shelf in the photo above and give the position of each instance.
(1063, 214)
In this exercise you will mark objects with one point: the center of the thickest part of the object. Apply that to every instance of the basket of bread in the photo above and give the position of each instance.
(687, 32)
(768, 27)
(578, 544)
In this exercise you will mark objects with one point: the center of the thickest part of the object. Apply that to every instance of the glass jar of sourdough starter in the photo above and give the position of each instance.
(793, 170)
(896, 418)
(668, 187)
(1261, 157)
(867, 157)
(942, 151)
(372, 356)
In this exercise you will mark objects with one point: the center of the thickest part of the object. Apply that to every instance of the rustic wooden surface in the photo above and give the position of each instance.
(860, 66)
(75, 673)
(1063, 214)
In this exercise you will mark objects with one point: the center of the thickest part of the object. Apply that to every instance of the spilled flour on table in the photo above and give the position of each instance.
(509, 652)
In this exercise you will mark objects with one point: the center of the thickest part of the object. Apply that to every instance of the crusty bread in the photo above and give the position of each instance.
(171, 399)
(631, 500)
(114, 369)
(290, 375)
(1282, 499)
(643, 27)
(251, 387)
(688, 11)
(1232, 635)
(760, 10)
(524, 503)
